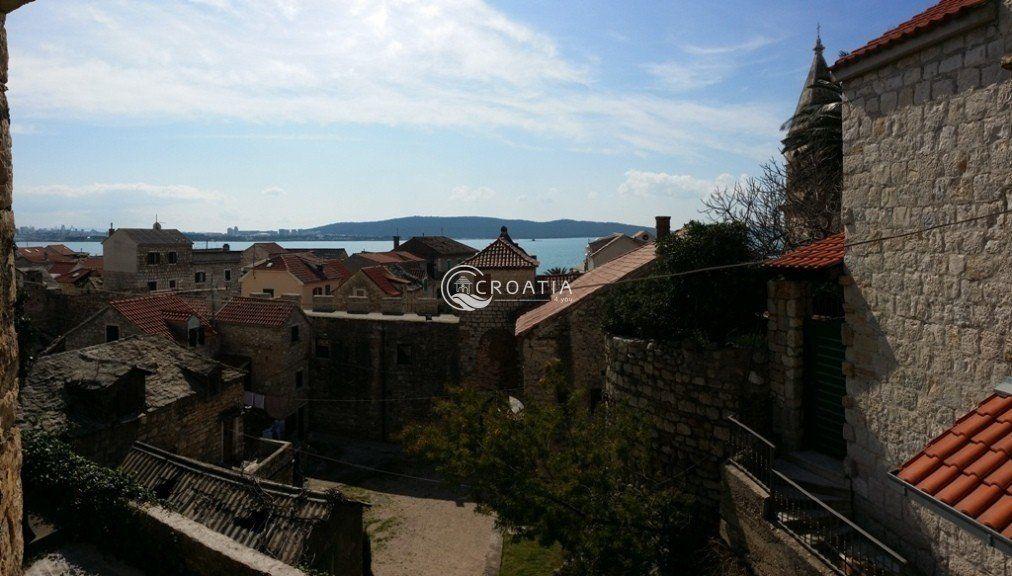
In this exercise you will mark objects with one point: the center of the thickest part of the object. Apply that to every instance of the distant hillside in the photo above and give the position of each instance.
(476, 227)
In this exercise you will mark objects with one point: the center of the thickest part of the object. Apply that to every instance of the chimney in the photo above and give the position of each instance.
(397, 242)
(111, 229)
(663, 226)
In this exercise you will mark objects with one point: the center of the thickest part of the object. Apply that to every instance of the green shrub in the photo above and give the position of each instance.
(711, 307)
(83, 497)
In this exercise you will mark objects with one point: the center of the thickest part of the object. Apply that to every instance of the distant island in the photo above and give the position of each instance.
(473, 227)
(406, 227)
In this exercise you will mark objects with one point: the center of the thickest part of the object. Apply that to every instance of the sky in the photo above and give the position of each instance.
(273, 114)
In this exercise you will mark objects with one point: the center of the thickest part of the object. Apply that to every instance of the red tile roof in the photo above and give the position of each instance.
(820, 255)
(387, 280)
(305, 267)
(586, 285)
(930, 19)
(969, 467)
(153, 314)
(256, 312)
(392, 257)
(74, 276)
(61, 268)
(50, 253)
(270, 247)
(502, 253)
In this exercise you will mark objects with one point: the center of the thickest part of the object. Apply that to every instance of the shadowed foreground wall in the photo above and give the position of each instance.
(10, 440)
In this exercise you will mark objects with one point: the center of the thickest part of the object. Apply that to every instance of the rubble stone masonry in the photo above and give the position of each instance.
(686, 393)
(10, 440)
(369, 375)
(927, 140)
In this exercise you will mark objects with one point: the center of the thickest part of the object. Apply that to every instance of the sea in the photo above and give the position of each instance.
(550, 252)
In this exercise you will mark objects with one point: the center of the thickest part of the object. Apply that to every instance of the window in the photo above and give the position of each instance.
(228, 275)
(317, 291)
(195, 336)
(172, 257)
(269, 292)
(299, 379)
(172, 284)
(358, 293)
(152, 286)
(295, 334)
(322, 348)
(154, 258)
(327, 289)
(200, 277)
(403, 354)
(111, 333)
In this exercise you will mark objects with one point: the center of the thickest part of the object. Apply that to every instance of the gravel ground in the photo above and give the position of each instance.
(417, 528)
(79, 560)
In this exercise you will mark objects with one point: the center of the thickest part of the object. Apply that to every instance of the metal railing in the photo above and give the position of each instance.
(834, 538)
(751, 453)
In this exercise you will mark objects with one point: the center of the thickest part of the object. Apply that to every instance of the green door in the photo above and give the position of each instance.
(825, 387)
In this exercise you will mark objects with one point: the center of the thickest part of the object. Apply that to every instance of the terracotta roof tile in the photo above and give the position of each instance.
(586, 285)
(820, 255)
(968, 467)
(305, 267)
(384, 279)
(930, 19)
(502, 253)
(256, 312)
(152, 314)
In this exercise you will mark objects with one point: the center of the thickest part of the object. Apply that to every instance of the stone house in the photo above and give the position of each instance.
(377, 289)
(145, 260)
(217, 269)
(568, 328)
(402, 263)
(296, 526)
(439, 252)
(271, 340)
(373, 372)
(79, 281)
(607, 248)
(300, 276)
(488, 349)
(260, 251)
(102, 398)
(928, 141)
(183, 321)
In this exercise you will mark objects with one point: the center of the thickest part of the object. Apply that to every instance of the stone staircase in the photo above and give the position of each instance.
(836, 541)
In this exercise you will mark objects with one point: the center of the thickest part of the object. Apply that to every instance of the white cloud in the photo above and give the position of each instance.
(458, 64)
(750, 45)
(642, 184)
(274, 191)
(132, 190)
(471, 195)
(19, 128)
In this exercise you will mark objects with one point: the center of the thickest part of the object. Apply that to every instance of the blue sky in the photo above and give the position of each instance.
(297, 113)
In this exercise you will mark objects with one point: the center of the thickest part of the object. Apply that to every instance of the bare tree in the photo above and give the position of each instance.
(782, 207)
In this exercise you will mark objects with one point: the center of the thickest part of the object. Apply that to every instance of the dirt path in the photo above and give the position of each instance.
(417, 528)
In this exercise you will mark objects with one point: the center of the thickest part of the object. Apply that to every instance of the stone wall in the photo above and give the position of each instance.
(788, 306)
(53, 313)
(10, 440)
(576, 339)
(686, 393)
(490, 355)
(275, 361)
(375, 370)
(770, 550)
(191, 427)
(928, 140)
